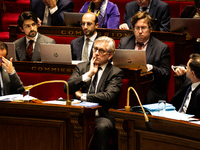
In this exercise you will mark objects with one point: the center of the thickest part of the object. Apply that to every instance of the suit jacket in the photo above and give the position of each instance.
(57, 18)
(194, 105)
(107, 91)
(188, 12)
(158, 10)
(20, 47)
(158, 55)
(11, 83)
(77, 47)
(112, 16)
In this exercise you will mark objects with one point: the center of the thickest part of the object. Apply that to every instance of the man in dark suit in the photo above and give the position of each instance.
(28, 48)
(51, 12)
(157, 9)
(104, 92)
(78, 45)
(188, 101)
(10, 82)
(157, 55)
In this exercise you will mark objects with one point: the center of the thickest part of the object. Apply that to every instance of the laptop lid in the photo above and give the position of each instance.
(190, 26)
(73, 19)
(125, 58)
(11, 51)
(56, 53)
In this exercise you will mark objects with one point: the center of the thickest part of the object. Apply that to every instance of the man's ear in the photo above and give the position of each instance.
(96, 25)
(21, 29)
(110, 56)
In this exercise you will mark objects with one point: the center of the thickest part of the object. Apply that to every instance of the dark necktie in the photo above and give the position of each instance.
(140, 45)
(29, 51)
(144, 8)
(185, 98)
(94, 82)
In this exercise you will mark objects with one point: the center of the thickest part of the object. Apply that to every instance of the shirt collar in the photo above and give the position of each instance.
(92, 38)
(148, 7)
(194, 85)
(34, 38)
(103, 67)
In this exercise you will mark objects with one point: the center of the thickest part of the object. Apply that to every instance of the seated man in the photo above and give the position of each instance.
(81, 47)
(10, 82)
(157, 55)
(187, 98)
(28, 48)
(157, 9)
(100, 82)
(51, 12)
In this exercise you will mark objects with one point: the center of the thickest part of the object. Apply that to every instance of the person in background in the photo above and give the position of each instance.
(193, 11)
(51, 12)
(27, 48)
(187, 98)
(100, 82)
(107, 13)
(157, 55)
(157, 9)
(10, 82)
(81, 47)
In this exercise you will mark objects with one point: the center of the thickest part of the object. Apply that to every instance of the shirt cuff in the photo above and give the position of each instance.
(53, 10)
(13, 72)
(85, 77)
(149, 67)
(84, 97)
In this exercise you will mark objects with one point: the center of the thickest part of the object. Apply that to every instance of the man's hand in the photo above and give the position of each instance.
(8, 65)
(93, 67)
(180, 71)
(124, 26)
(50, 3)
(78, 94)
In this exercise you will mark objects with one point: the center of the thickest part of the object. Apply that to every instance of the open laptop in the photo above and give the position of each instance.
(11, 51)
(191, 26)
(56, 53)
(73, 19)
(125, 58)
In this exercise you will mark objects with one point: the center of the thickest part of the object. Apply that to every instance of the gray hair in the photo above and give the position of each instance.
(111, 43)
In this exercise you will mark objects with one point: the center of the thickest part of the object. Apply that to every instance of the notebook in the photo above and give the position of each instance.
(56, 53)
(125, 58)
(190, 26)
(73, 19)
(11, 51)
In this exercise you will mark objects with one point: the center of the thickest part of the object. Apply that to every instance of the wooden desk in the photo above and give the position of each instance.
(166, 134)
(31, 126)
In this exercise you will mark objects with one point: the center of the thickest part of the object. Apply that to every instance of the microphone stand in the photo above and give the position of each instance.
(128, 108)
(27, 88)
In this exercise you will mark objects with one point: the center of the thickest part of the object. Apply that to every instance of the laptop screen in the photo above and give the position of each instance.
(73, 19)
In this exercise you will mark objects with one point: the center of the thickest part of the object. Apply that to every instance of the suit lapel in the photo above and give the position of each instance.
(21, 49)
(149, 49)
(80, 45)
(152, 7)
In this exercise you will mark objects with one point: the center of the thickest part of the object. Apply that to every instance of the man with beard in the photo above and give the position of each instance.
(28, 48)
(82, 46)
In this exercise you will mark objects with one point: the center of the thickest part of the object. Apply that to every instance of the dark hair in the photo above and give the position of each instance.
(197, 3)
(26, 16)
(4, 46)
(96, 18)
(142, 15)
(195, 64)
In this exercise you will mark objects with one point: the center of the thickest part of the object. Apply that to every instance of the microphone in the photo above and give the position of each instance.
(128, 108)
(68, 102)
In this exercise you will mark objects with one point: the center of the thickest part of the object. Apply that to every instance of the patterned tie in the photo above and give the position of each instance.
(85, 51)
(140, 45)
(94, 82)
(185, 98)
(29, 51)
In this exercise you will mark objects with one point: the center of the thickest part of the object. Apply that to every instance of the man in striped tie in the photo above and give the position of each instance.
(187, 98)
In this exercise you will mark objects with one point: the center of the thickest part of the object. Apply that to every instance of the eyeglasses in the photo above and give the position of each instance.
(144, 28)
(101, 51)
(85, 23)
